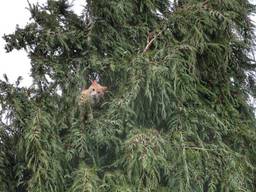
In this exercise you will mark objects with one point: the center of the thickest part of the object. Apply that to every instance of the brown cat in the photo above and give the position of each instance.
(90, 97)
(93, 94)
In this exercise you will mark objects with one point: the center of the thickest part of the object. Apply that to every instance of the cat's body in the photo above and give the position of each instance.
(91, 97)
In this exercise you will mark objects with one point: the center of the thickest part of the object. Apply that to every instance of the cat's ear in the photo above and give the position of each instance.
(104, 88)
(94, 82)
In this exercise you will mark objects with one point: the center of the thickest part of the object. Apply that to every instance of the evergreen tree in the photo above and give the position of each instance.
(176, 117)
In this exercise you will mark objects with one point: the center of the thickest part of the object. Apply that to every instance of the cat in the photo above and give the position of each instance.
(91, 97)
(94, 94)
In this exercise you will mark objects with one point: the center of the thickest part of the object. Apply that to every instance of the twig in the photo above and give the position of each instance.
(151, 41)
(205, 4)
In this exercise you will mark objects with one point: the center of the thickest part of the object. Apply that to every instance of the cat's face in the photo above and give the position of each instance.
(96, 91)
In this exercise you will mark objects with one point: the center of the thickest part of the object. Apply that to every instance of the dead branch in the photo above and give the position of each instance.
(151, 41)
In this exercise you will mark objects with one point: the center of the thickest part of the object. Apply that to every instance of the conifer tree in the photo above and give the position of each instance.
(176, 117)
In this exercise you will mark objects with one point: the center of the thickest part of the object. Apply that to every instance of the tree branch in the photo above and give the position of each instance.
(151, 41)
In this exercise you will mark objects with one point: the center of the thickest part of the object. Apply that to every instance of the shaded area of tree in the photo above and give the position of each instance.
(176, 117)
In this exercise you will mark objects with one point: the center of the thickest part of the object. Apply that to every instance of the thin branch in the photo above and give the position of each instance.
(151, 41)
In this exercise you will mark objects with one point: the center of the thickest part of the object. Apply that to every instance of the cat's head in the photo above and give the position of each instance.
(96, 91)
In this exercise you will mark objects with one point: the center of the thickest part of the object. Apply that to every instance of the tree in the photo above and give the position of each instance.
(176, 117)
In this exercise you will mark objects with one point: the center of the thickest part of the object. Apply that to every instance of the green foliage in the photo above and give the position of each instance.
(176, 117)
(144, 159)
(85, 180)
